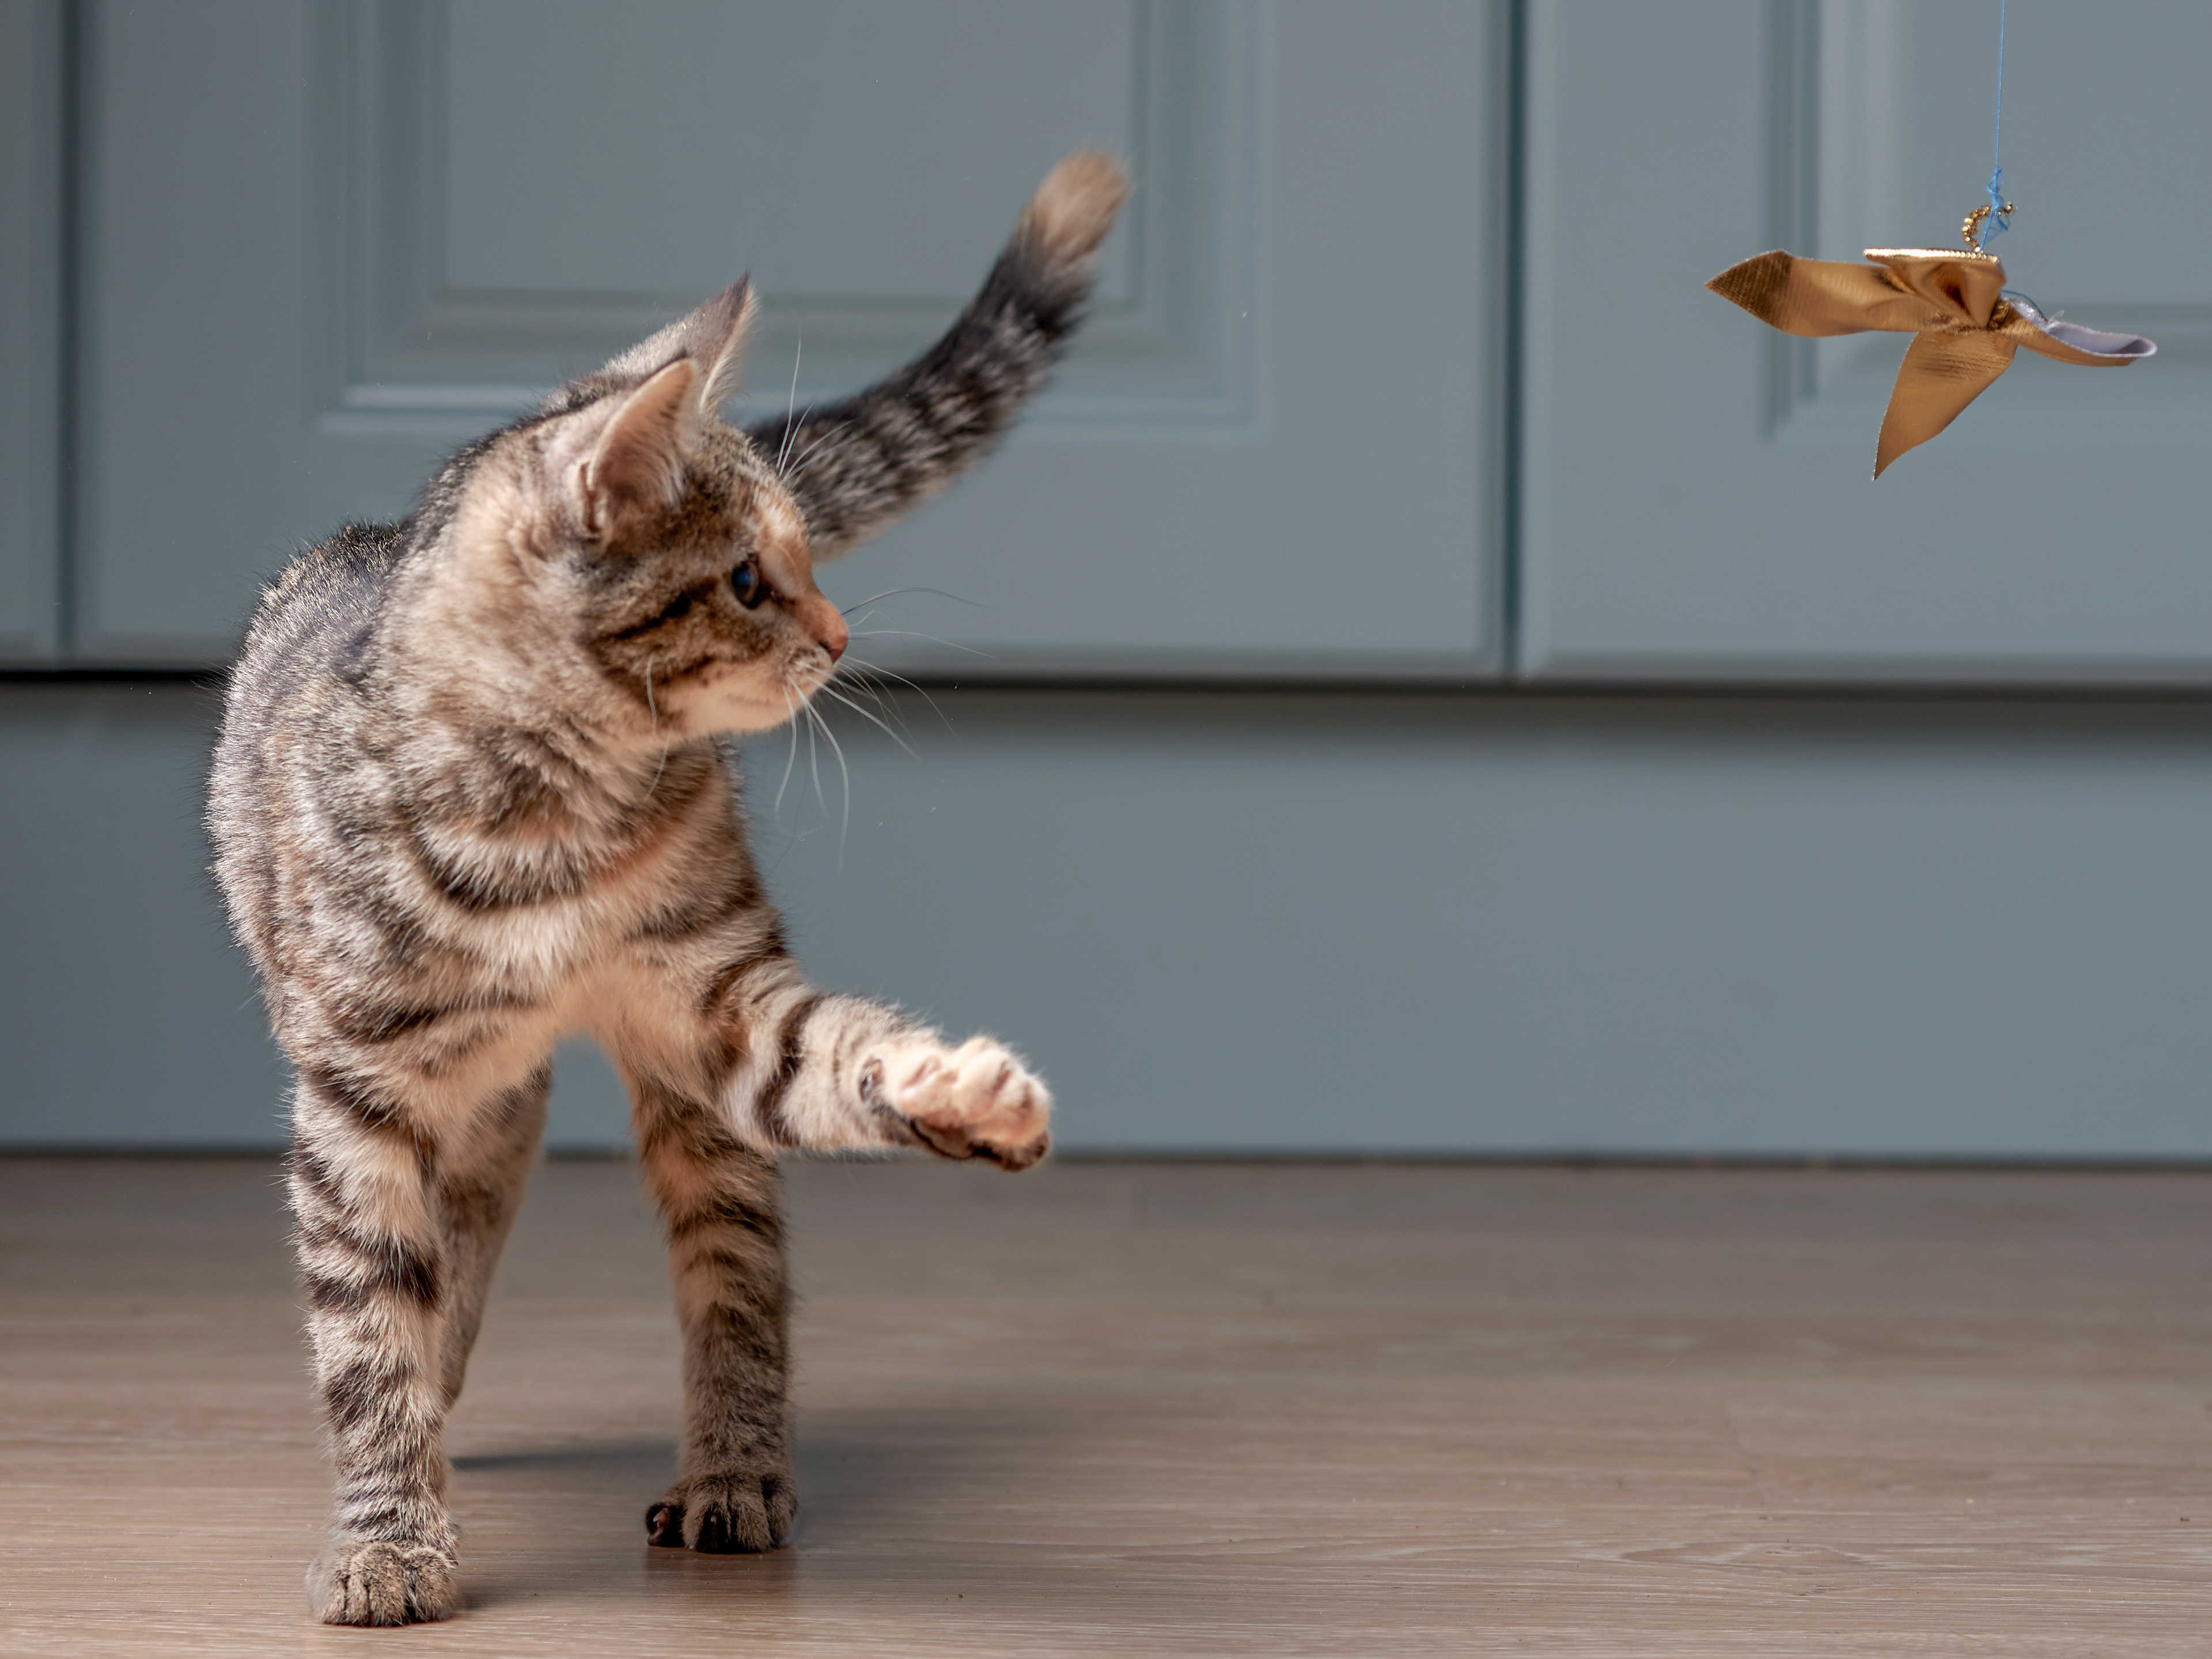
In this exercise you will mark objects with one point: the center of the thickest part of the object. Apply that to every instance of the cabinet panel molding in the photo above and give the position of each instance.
(34, 68)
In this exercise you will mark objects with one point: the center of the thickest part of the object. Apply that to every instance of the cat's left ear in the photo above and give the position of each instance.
(635, 459)
(713, 338)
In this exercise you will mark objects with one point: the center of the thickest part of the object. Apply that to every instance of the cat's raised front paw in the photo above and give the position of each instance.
(363, 1581)
(725, 1512)
(976, 1101)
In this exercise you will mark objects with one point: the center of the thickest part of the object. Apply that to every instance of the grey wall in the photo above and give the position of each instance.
(260, 260)
(1385, 922)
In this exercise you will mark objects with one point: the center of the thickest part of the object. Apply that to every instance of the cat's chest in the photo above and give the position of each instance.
(569, 910)
(533, 895)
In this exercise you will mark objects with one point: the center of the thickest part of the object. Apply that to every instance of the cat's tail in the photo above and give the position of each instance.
(856, 465)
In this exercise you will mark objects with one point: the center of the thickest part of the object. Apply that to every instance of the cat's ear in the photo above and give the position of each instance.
(713, 338)
(637, 460)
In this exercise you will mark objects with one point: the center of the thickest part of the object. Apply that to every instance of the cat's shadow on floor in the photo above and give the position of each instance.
(583, 1456)
(565, 1521)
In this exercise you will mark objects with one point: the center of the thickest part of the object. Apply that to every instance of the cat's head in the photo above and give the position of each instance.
(628, 543)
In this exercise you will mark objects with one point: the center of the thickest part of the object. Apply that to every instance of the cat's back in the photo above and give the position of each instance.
(319, 610)
(298, 666)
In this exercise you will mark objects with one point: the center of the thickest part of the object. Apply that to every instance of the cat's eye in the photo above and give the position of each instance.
(749, 584)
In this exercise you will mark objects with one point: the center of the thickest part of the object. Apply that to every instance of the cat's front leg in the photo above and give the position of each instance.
(374, 1260)
(722, 1202)
(824, 1072)
(818, 1072)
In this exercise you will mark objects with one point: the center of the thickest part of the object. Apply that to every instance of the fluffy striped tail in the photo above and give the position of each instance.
(856, 465)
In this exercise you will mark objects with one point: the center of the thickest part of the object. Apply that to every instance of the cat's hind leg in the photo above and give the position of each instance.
(721, 1202)
(480, 1187)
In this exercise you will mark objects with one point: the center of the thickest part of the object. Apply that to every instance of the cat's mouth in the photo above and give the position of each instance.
(738, 698)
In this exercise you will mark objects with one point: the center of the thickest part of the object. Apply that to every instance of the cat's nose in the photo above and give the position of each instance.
(830, 630)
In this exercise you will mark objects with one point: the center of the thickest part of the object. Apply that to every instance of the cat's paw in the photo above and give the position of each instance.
(726, 1511)
(360, 1580)
(976, 1101)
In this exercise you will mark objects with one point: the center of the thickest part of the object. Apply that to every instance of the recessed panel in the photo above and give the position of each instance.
(1681, 520)
(866, 162)
(1273, 449)
(2087, 147)
(665, 147)
(2095, 141)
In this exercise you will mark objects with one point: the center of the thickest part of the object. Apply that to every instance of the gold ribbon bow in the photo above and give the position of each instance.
(1965, 324)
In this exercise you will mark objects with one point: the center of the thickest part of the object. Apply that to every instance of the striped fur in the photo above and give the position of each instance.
(473, 791)
(859, 464)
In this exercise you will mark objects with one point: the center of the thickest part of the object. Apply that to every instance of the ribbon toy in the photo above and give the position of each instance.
(1965, 322)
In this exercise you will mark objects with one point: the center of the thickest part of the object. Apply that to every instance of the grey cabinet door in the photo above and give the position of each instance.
(326, 241)
(31, 274)
(1697, 495)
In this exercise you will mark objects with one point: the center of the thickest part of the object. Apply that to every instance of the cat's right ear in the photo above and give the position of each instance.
(713, 338)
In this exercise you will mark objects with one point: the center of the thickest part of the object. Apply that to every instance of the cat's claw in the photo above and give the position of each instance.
(370, 1581)
(976, 1101)
(735, 1512)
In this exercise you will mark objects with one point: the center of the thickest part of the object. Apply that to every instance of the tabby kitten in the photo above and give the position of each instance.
(472, 793)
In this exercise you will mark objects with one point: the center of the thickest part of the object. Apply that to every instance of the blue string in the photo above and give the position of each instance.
(1994, 226)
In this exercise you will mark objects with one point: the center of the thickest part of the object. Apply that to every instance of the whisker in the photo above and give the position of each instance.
(860, 681)
(813, 452)
(831, 691)
(861, 684)
(791, 408)
(862, 665)
(819, 439)
(894, 592)
(912, 634)
(814, 760)
(790, 721)
(837, 748)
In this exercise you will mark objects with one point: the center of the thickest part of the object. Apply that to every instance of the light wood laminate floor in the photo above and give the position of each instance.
(1169, 1409)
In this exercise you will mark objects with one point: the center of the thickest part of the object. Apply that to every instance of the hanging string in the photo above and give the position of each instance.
(1999, 212)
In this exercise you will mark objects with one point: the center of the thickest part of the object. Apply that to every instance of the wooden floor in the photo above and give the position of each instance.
(1168, 1409)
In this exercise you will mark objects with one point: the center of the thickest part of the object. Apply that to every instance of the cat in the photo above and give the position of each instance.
(472, 791)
